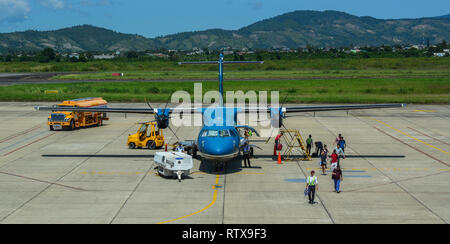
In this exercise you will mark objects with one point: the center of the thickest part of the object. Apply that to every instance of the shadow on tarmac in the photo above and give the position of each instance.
(230, 167)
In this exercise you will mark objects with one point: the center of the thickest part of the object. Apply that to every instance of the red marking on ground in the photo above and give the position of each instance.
(40, 139)
(20, 133)
(44, 181)
(429, 136)
(380, 130)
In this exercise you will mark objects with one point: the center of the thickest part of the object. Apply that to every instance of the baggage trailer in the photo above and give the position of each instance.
(173, 164)
(59, 120)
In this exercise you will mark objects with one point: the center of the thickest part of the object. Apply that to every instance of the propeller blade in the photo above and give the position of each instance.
(284, 101)
(148, 104)
(168, 100)
(174, 133)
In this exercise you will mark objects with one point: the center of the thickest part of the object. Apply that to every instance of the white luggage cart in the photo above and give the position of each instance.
(173, 164)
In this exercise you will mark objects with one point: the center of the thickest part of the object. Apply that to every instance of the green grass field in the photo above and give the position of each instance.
(331, 64)
(377, 90)
(325, 80)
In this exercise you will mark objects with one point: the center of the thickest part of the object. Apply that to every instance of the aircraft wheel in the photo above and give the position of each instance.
(131, 145)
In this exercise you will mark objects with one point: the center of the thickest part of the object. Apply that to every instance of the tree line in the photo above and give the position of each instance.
(50, 55)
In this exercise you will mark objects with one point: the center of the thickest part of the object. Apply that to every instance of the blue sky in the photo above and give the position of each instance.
(152, 18)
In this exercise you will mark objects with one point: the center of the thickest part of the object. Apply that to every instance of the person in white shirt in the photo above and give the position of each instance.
(340, 153)
(312, 185)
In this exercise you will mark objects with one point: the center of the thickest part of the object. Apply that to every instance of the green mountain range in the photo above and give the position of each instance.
(291, 30)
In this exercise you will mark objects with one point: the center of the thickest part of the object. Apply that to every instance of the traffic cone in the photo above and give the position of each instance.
(279, 158)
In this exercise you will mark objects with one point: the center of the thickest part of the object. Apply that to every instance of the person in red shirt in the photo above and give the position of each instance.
(334, 159)
(277, 141)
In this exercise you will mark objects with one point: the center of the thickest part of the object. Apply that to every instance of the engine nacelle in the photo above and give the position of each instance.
(162, 118)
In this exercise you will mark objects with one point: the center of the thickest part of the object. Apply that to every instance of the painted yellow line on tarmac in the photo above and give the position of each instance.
(201, 210)
(426, 111)
(412, 137)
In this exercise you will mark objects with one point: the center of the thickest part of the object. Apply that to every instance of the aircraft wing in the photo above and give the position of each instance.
(295, 109)
(115, 110)
(340, 107)
(299, 109)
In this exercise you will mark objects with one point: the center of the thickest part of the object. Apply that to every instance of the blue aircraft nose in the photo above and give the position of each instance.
(220, 146)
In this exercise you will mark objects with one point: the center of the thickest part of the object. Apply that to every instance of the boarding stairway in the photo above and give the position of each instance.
(293, 142)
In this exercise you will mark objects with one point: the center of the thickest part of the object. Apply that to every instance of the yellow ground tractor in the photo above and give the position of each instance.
(148, 136)
(71, 120)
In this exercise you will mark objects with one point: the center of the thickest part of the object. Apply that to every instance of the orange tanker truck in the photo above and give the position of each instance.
(71, 120)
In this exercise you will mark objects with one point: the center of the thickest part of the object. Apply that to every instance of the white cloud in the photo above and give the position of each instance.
(56, 4)
(14, 10)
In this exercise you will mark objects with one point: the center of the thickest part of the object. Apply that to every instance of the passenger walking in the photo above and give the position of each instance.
(342, 143)
(337, 139)
(334, 160)
(246, 155)
(323, 159)
(340, 153)
(312, 185)
(337, 177)
(309, 143)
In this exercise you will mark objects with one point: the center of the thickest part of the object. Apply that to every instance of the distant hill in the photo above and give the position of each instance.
(75, 39)
(447, 16)
(292, 30)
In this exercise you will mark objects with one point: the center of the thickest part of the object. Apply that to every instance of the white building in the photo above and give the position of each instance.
(104, 56)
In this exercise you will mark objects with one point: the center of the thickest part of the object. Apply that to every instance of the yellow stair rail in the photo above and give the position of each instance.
(293, 140)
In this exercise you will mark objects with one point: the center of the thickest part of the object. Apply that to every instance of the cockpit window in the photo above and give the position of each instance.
(212, 133)
(224, 133)
(215, 133)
